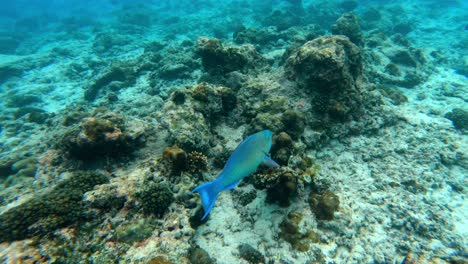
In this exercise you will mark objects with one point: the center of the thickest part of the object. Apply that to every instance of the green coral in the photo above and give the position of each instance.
(59, 207)
(155, 198)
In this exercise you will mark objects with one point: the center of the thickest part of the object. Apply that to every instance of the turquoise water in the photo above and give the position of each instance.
(113, 112)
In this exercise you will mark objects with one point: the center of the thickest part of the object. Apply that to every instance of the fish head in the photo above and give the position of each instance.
(263, 140)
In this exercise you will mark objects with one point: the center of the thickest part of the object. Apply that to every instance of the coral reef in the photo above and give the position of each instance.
(134, 232)
(198, 255)
(348, 25)
(197, 162)
(324, 205)
(107, 134)
(396, 62)
(250, 254)
(60, 206)
(293, 231)
(330, 67)
(217, 59)
(459, 118)
(177, 159)
(281, 184)
(117, 76)
(282, 148)
(155, 198)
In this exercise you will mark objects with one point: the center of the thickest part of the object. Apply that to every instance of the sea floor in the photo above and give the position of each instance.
(400, 179)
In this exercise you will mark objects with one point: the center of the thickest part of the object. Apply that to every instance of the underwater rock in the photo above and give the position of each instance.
(299, 237)
(159, 260)
(25, 167)
(281, 184)
(324, 205)
(395, 95)
(393, 69)
(34, 114)
(283, 20)
(22, 100)
(196, 218)
(405, 66)
(330, 69)
(459, 118)
(198, 255)
(213, 101)
(219, 60)
(7, 71)
(177, 159)
(294, 123)
(274, 114)
(282, 148)
(401, 56)
(250, 254)
(348, 5)
(247, 197)
(327, 63)
(259, 36)
(120, 73)
(134, 232)
(187, 128)
(107, 199)
(105, 134)
(348, 25)
(155, 198)
(403, 28)
(59, 207)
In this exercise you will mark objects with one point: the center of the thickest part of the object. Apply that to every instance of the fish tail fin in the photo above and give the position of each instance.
(209, 193)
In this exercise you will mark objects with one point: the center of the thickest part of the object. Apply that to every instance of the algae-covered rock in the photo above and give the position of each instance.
(135, 232)
(155, 198)
(59, 207)
(159, 260)
(121, 73)
(324, 205)
(282, 148)
(215, 57)
(250, 254)
(296, 234)
(281, 184)
(22, 100)
(218, 59)
(327, 63)
(198, 255)
(330, 69)
(348, 25)
(187, 129)
(176, 158)
(106, 134)
(459, 118)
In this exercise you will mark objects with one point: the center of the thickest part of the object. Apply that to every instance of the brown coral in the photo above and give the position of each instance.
(197, 162)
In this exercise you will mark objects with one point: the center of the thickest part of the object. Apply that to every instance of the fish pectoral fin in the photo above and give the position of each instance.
(231, 186)
(267, 161)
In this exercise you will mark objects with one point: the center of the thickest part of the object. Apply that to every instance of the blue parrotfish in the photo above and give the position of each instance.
(245, 159)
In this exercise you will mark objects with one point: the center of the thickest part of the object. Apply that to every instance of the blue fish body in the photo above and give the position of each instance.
(245, 159)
